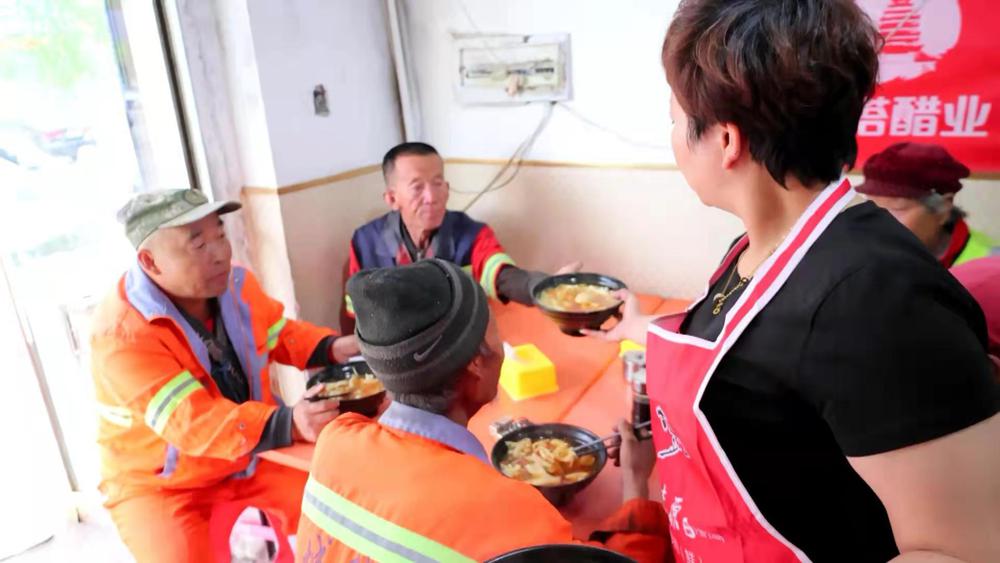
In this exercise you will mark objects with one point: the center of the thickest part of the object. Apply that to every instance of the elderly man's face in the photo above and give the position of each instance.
(418, 190)
(189, 262)
(917, 217)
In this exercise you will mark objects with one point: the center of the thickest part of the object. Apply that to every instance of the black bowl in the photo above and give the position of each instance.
(367, 406)
(558, 553)
(571, 322)
(558, 495)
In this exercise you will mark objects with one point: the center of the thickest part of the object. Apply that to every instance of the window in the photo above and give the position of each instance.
(88, 116)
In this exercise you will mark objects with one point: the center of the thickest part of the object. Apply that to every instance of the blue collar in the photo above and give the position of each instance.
(433, 427)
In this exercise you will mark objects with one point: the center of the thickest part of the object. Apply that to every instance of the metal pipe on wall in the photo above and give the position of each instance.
(408, 100)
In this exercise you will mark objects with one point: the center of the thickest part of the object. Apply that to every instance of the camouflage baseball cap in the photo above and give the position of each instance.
(148, 212)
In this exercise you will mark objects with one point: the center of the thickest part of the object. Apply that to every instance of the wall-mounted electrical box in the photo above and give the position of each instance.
(512, 69)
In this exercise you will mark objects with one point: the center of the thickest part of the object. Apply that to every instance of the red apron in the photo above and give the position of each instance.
(712, 517)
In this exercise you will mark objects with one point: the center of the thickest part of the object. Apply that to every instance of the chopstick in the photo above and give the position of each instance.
(587, 445)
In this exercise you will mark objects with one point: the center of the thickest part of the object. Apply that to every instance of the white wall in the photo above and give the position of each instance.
(617, 78)
(342, 44)
(319, 223)
(642, 226)
(253, 68)
(622, 216)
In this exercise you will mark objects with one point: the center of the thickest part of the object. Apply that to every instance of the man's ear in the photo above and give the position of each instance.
(468, 381)
(475, 369)
(390, 198)
(148, 261)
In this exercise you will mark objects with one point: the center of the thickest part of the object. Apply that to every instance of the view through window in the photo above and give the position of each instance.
(87, 118)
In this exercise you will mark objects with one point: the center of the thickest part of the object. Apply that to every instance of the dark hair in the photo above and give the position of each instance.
(793, 75)
(403, 149)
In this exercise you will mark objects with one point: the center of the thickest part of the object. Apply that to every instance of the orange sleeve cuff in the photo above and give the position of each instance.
(639, 516)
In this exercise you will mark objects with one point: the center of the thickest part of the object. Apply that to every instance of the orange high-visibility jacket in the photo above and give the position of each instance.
(380, 494)
(164, 424)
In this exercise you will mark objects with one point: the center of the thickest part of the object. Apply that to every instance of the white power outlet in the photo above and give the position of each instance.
(512, 69)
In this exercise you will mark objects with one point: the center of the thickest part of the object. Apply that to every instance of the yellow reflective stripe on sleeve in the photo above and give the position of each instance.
(119, 416)
(168, 398)
(467, 269)
(349, 304)
(273, 332)
(367, 533)
(488, 279)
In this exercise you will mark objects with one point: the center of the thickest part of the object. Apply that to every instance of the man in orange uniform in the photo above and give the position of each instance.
(181, 351)
(416, 485)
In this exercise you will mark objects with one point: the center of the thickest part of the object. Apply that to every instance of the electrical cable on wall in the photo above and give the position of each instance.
(620, 136)
(509, 171)
(498, 181)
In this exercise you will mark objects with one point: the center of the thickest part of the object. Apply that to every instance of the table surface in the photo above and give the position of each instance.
(592, 394)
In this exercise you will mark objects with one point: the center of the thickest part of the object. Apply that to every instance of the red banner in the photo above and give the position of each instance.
(939, 79)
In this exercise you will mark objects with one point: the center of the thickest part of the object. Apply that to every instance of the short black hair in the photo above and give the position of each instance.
(404, 149)
(793, 75)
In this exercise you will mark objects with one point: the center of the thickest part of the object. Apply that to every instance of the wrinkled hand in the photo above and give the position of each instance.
(636, 458)
(309, 418)
(344, 348)
(571, 268)
(632, 325)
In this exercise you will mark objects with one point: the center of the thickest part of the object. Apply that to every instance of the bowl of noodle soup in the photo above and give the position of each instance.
(578, 301)
(541, 455)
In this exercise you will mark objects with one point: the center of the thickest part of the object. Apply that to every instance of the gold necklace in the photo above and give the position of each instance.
(719, 299)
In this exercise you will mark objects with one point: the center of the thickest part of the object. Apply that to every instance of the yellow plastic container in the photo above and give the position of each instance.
(628, 345)
(529, 375)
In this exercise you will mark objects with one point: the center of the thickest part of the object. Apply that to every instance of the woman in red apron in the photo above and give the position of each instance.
(829, 397)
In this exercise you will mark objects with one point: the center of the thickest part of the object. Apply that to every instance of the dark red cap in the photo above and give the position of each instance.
(912, 170)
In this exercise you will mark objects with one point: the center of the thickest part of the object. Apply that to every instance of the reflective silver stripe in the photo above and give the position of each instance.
(119, 416)
(404, 553)
(368, 533)
(168, 398)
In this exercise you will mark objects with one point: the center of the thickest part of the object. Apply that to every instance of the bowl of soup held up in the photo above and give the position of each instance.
(578, 301)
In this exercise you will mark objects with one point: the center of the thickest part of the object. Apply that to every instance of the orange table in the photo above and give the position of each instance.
(579, 363)
(591, 394)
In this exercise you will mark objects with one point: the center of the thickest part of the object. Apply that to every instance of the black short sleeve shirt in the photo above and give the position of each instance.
(869, 346)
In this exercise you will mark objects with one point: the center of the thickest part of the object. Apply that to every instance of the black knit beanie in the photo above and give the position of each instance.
(418, 324)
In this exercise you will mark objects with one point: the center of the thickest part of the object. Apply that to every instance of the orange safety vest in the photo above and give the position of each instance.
(164, 424)
(376, 493)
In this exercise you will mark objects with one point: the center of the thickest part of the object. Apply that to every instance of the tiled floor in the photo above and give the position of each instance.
(92, 540)
(96, 540)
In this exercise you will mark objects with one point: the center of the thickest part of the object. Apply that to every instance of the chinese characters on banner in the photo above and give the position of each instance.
(939, 79)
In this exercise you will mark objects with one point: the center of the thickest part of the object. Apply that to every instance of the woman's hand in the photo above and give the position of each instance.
(633, 324)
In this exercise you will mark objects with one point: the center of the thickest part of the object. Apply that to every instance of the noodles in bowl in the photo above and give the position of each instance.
(577, 298)
(578, 301)
(546, 461)
(542, 455)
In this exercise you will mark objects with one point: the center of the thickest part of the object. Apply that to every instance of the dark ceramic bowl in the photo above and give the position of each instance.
(367, 406)
(571, 322)
(558, 495)
(559, 553)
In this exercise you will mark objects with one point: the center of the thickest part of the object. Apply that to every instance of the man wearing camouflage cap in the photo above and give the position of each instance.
(181, 351)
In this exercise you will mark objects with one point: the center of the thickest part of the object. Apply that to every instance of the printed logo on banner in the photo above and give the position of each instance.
(934, 86)
(917, 33)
